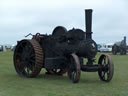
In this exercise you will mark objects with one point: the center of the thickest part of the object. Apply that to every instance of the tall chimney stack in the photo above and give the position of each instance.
(88, 23)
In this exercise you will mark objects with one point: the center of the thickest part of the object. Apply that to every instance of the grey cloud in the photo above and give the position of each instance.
(109, 19)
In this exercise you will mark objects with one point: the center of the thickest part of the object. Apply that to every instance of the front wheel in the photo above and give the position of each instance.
(74, 68)
(107, 68)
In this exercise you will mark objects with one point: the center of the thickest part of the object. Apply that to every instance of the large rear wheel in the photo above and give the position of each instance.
(28, 58)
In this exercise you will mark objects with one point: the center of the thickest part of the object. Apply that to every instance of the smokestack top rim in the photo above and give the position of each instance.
(88, 10)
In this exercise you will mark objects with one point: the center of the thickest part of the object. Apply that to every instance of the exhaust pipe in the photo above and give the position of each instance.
(88, 23)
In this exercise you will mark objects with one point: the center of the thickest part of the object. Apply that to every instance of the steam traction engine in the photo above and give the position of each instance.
(120, 47)
(62, 51)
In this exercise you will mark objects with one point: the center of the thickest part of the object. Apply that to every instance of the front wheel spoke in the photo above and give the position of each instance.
(108, 62)
(105, 72)
(104, 75)
(104, 60)
(106, 66)
(108, 74)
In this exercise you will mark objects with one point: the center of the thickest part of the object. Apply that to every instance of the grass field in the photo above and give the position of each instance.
(12, 84)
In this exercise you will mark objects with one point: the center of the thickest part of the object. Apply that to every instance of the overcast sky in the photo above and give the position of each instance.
(20, 17)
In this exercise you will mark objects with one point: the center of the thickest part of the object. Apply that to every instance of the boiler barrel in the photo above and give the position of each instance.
(87, 49)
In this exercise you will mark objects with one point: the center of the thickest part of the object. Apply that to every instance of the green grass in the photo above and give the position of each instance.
(12, 84)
